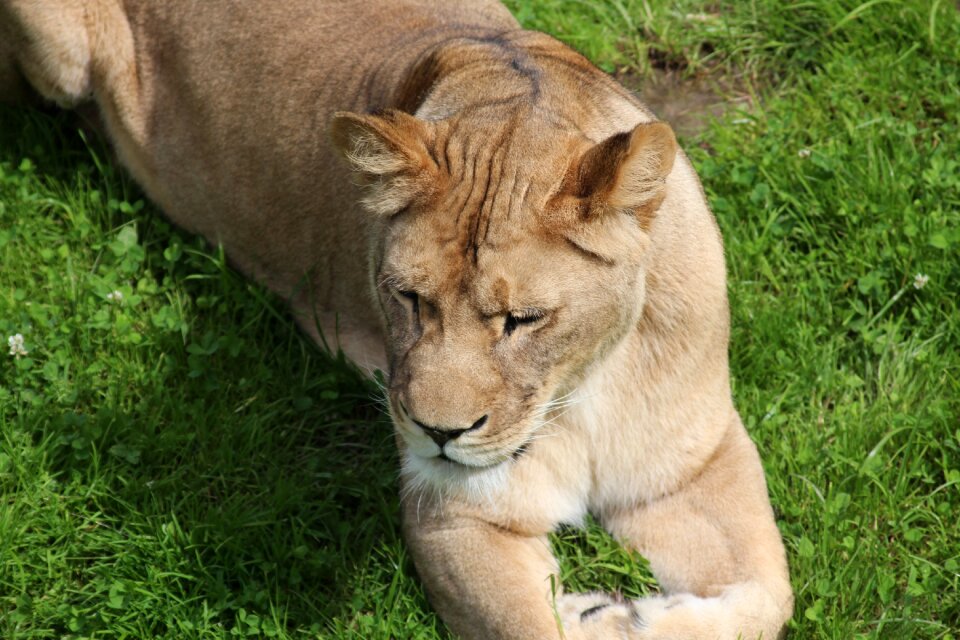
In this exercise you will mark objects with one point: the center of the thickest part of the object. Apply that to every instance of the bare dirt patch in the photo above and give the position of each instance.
(687, 104)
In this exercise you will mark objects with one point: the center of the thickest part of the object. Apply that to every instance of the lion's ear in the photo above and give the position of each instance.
(627, 172)
(389, 151)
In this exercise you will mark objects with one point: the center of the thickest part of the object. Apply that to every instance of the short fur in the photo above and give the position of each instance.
(512, 236)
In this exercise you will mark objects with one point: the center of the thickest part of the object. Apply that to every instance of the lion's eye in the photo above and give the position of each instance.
(516, 319)
(408, 297)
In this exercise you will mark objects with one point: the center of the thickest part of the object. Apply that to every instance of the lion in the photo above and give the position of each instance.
(505, 231)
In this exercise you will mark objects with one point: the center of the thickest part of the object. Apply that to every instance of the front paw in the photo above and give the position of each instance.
(596, 616)
(676, 617)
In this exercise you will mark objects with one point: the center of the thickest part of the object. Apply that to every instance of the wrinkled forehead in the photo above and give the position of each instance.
(482, 231)
(510, 268)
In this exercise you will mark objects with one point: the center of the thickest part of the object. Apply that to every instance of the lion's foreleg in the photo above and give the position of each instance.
(716, 551)
(484, 581)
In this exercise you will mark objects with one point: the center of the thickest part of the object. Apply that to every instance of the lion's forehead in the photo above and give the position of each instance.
(496, 176)
(520, 269)
(481, 237)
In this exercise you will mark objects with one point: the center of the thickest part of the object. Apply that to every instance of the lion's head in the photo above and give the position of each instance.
(511, 258)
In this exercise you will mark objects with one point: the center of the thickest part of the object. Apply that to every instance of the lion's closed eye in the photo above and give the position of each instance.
(514, 320)
(409, 299)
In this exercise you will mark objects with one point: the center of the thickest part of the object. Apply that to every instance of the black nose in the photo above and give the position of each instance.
(443, 436)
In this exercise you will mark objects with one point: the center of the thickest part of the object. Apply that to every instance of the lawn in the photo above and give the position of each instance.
(178, 461)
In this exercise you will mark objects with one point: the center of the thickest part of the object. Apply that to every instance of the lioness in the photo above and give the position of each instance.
(513, 238)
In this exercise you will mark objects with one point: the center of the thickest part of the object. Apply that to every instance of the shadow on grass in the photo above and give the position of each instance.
(245, 477)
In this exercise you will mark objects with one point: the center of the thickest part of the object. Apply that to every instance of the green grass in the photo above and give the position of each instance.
(182, 463)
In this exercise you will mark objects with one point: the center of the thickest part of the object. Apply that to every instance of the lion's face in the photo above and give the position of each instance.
(510, 261)
(479, 345)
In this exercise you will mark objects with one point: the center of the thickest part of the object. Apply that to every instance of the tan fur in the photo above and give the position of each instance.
(512, 237)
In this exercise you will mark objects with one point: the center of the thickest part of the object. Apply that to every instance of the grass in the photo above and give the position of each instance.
(181, 463)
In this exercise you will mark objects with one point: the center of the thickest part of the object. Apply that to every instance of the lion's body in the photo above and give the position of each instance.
(506, 173)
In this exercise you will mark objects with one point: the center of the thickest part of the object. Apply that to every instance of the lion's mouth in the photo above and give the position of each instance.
(516, 454)
(442, 457)
(451, 454)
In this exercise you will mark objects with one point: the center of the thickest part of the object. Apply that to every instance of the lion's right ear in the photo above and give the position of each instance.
(627, 172)
(389, 151)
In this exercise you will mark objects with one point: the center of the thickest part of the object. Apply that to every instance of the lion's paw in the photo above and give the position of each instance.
(596, 616)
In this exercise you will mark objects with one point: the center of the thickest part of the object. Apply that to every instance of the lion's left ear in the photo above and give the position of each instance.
(389, 151)
(627, 172)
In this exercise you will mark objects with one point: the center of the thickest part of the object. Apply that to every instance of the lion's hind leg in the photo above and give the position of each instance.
(49, 42)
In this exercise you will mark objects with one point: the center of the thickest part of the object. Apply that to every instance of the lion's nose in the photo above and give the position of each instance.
(443, 436)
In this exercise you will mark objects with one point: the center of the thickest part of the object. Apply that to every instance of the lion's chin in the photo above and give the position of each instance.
(449, 477)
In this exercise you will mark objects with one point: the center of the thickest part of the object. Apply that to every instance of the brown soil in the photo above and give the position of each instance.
(687, 104)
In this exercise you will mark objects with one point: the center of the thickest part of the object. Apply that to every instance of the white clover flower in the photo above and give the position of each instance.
(115, 296)
(804, 153)
(17, 350)
(920, 280)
